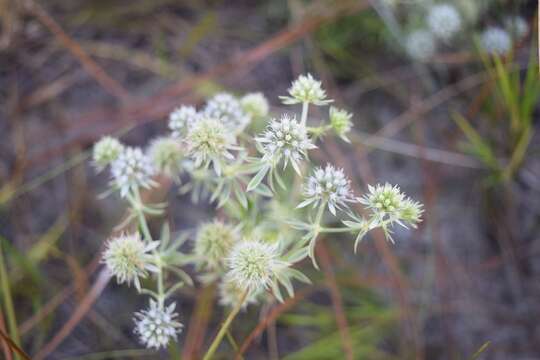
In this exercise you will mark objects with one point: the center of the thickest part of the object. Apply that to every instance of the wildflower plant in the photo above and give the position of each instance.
(264, 231)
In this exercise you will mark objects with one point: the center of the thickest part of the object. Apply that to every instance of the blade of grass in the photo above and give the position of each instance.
(7, 301)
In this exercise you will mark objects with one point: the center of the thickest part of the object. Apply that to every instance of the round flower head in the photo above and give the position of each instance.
(420, 45)
(444, 21)
(253, 265)
(340, 120)
(209, 142)
(106, 151)
(213, 243)
(255, 104)
(328, 185)
(517, 26)
(132, 169)
(495, 40)
(285, 138)
(166, 154)
(228, 110)
(127, 258)
(230, 293)
(388, 202)
(157, 325)
(306, 89)
(181, 120)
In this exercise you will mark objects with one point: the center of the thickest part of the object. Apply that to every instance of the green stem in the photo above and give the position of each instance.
(336, 230)
(305, 106)
(137, 207)
(317, 230)
(8, 302)
(223, 330)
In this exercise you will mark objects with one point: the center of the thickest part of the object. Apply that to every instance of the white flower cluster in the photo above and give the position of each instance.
(306, 89)
(388, 203)
(329, 186)
(131, 170)
(444, 21)
(250, 253)
(157, 325)
(228, 110)
(127, 258)
(285, 139)
(182, 119)
(254, 265)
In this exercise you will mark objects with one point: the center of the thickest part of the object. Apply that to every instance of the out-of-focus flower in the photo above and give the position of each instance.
(444, 21)
(227, 109)
(166, 154)
(517, 26)
(209, 142)
(285, 138)
(230, 293)
(127, 258)
(213, 244)
(132, 169)
(253, 265)
(157, 325)
(495, 40)
(182, 119)
(255, 104)
(420, 45)
(330, 186)
(106, 151)
(341, 123)
(306, 89)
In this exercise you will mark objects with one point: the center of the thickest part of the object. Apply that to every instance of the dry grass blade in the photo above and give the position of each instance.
(337, 300)
(14, 346)
(79, 313)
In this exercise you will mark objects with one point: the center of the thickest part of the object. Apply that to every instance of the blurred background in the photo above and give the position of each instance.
(455, 128)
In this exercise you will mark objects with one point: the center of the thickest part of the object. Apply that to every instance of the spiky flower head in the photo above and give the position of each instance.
(328, 185)
(127, 258)
(182, 119)
(226, 108)
(495, 40)
(517, 26)
(420, 45)
(157, 325)
(106, 151)
(387, 202)
(230, 293)
(444, 21)
(209, 142)
(253, 265)
(213, 244)
(132, 169)
(306, 89)
(166, 154)
(341, 123)
(285, 138)
(255, 104)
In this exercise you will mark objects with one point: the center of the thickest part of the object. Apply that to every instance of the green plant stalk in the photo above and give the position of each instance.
(316, 231)
(8, 302)
(148, 237)
(224, 328)
(305, 107)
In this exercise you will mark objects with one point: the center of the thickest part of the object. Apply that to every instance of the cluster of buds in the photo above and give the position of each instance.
(250, 255)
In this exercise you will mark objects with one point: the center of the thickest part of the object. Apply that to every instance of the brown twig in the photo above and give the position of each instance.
(199, 323)
(107, 82)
